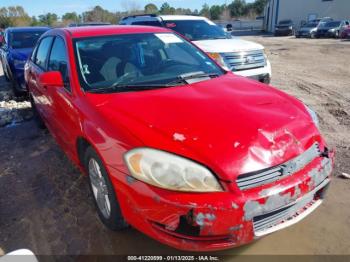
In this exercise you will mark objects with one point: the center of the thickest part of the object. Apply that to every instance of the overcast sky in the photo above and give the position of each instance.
(37, 7)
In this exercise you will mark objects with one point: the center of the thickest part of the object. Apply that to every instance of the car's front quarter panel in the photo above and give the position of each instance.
(212, 221)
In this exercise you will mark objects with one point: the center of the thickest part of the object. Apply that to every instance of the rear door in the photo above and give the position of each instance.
(38, 66)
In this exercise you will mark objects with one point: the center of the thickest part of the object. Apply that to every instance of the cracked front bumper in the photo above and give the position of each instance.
(215, 221)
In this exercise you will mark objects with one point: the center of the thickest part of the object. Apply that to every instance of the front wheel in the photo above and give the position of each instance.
(103, 192)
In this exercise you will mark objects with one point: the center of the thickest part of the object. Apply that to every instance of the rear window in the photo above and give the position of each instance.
(19, 40)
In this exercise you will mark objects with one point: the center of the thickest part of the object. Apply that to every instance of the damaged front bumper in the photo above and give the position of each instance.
(215, 221)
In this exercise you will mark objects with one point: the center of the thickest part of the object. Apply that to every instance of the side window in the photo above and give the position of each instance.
(58, 60)
(42, 52)
(32, 57)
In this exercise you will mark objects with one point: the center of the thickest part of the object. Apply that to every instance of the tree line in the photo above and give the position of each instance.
(17, 16)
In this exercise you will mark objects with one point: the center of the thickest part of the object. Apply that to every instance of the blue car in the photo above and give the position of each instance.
(16, 46)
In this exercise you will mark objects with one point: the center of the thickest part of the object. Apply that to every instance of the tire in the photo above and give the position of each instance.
(37, 118)
(103, 192)
(336, 34)
(312, 35)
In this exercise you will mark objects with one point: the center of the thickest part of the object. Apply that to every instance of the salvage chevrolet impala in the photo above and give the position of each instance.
(172, 144)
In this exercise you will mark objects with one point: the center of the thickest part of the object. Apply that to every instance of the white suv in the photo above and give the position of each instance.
(244, 58)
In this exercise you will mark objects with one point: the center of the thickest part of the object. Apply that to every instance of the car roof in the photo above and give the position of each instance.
(91, 31)
(28, 29)
(182, 17)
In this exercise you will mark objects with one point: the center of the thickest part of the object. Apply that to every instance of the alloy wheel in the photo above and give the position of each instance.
(99, 188)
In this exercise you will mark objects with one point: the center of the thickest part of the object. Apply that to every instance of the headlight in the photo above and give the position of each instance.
(219, 59)
(290, 27)
(331, 30)
(18, 63)
(313, 115)
(170, 171)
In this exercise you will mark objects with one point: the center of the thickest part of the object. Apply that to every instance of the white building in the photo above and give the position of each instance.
(304, 10)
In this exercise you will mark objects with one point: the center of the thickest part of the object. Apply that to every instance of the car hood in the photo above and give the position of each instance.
(231, 124)
(227, 45)
(21, 53)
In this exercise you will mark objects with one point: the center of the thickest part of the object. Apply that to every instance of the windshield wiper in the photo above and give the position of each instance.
(127, 88)
(183, 79)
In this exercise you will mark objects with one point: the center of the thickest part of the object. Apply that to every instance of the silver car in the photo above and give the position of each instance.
(307, 30)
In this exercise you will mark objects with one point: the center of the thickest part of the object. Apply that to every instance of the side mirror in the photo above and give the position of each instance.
(53, 78)
(229, 27)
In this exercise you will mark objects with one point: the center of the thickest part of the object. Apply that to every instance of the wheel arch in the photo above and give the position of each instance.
(82, 144)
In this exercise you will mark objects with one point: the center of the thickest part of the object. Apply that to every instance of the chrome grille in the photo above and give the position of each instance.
(245, 60)
(269, 175)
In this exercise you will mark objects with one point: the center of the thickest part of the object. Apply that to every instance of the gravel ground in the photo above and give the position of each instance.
(12, 110)
(45, 204)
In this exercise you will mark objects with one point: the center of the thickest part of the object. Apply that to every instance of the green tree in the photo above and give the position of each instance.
(151, 8)
(14, 16)
(215, 12)
(98, 14)
(205, 11)
(237, 8)
(166, 9)
(259, 6)
(34, 21)
(183, 11)
(49, 19)
(70, 16)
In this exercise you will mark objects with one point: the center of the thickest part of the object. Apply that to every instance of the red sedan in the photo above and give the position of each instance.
(186, 152)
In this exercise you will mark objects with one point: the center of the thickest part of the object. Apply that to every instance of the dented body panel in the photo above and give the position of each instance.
(260, 143)
(225, 219)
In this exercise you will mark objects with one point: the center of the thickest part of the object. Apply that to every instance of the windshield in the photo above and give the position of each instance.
(311, 25)
(197, 29)
(332, 24)
(285, 22)
(24, 39)
(129, 61)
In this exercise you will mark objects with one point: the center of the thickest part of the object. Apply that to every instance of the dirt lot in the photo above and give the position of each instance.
(45, 203)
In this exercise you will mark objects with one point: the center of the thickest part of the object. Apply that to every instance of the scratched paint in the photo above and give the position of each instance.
(179, 137)
(319, 174)
(202, 218)
(253, 208)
